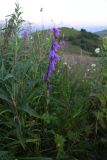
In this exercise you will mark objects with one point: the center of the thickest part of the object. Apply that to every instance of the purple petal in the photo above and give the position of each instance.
(52, 53)
(52, 66)
(56, 32)
(53, 56)
(56, 58)
(55, 46)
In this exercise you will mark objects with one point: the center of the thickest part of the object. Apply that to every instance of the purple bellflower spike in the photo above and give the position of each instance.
(53, 56)
(56, 32)
(52, 53)
(52, 66)
(51, 69)
(56, 58)
(55, 46)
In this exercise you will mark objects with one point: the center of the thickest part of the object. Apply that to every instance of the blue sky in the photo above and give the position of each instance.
(60, 12)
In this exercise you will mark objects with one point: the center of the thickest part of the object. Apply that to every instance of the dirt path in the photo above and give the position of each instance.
(76, 58)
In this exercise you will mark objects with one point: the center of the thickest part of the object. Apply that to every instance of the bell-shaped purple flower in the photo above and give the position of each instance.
(56, 57)
(52, 53)
(56, 32)
(53, 56)
(51, 68)
(55, 46)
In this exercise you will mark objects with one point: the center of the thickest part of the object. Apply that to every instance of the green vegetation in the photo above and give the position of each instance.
(68, 123)
(87, 41)
(102, 33)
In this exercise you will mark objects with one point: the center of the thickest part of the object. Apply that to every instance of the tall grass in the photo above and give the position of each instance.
(68, 123)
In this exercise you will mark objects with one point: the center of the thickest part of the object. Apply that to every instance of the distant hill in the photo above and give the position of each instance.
(102, 33)
(84, 40)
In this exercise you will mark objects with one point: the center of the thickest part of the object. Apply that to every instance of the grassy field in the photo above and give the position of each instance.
(74, 49)
(80, 41)
(57, 115)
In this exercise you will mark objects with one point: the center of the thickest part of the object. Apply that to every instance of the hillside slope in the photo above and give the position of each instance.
(102, 33)
(84, 40)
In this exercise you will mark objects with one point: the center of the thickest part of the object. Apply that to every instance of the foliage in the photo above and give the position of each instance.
(102, 33)
(69, 123)
(85, 40)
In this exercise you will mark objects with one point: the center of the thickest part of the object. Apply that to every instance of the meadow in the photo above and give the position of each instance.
(60, 117)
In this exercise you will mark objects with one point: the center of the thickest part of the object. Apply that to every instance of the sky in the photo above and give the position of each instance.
(59, 12)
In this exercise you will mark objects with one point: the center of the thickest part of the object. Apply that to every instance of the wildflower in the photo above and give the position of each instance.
(56, 32)
(94, 69)
(53, 58)
(93, 65)
(88, 70)
(51, 68)
(69, 67)
(65, 63)
(55, 46)
(58, 71)
(31, 37)
(97, 50)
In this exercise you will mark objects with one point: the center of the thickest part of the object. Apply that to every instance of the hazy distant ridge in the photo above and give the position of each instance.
(102, 33)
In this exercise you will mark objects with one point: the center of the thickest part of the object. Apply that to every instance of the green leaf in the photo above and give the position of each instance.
(8, 77)
(4, 96)
(26, 108)
(2, 153)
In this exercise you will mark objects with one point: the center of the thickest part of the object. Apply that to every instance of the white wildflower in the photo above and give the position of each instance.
(58, 71)
(93, 65)
(69, 67)
(31, 37)
(65, 63)
(97, 50)
(94, 69)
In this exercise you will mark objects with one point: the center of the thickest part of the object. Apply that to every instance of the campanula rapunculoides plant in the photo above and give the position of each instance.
(53, 57)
